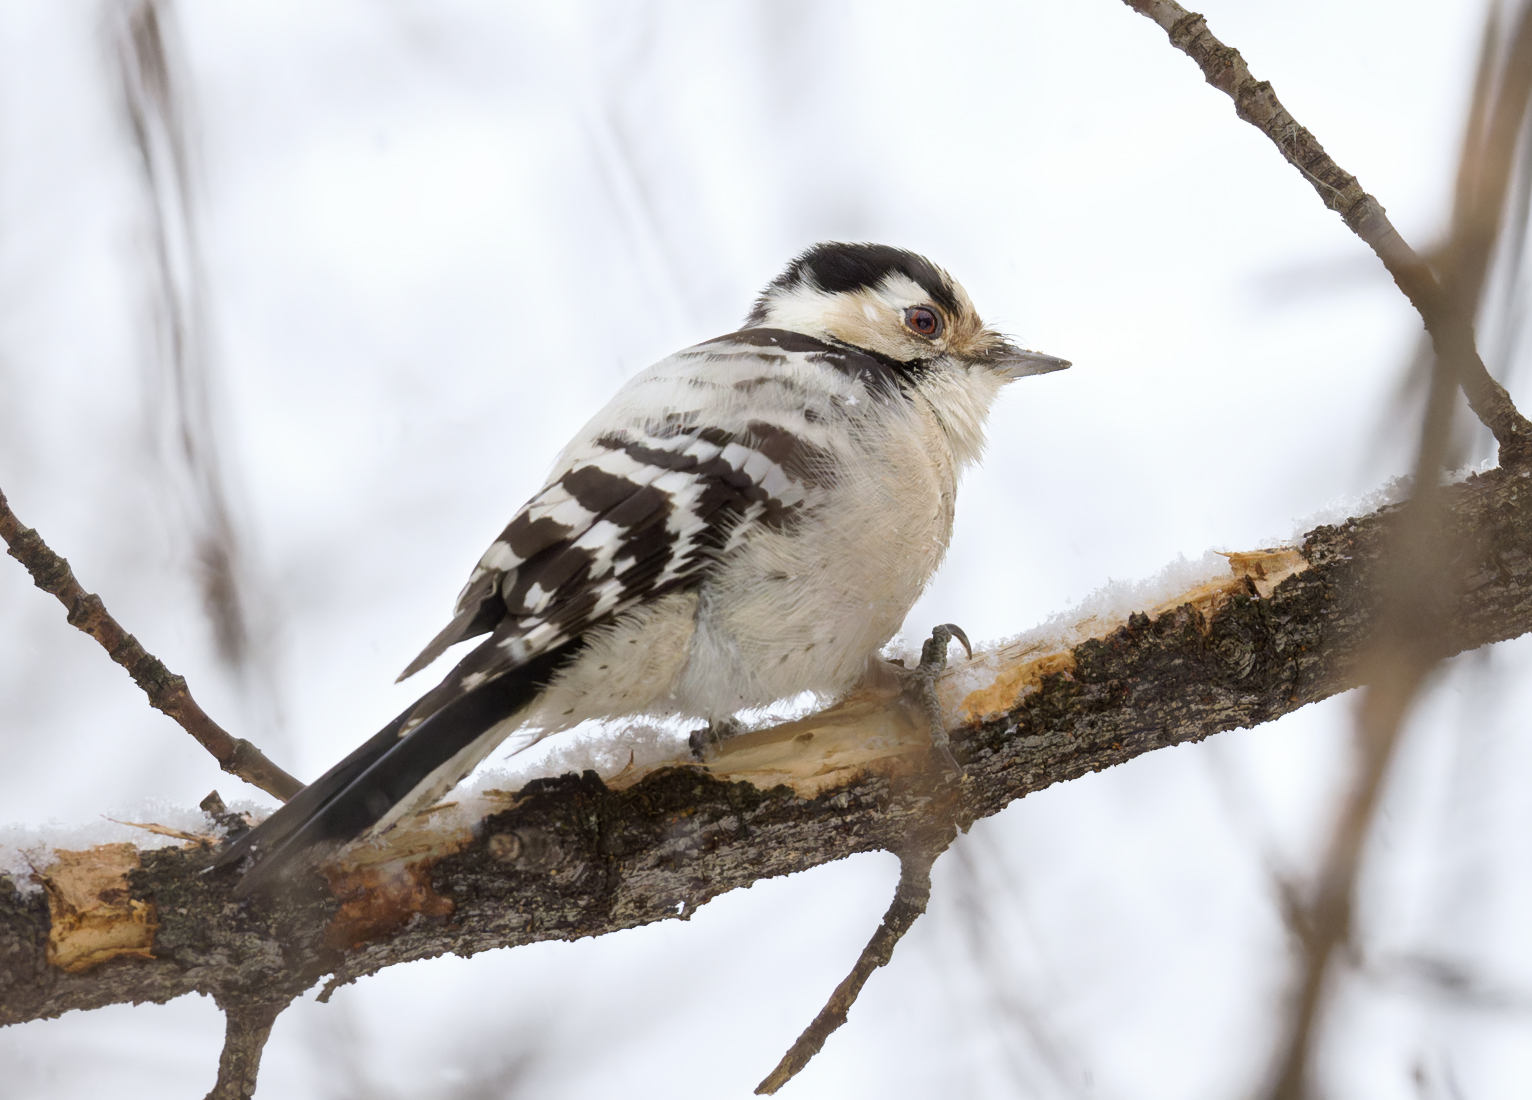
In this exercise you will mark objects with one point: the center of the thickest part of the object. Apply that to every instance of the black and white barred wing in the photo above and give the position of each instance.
(639, 514)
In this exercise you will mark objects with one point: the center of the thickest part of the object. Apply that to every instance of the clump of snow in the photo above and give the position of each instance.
(1109, 606)
(28, 848)
(1105, 609)
(595, 747)
(610, 748)
(1346, 507)
(1394, 491)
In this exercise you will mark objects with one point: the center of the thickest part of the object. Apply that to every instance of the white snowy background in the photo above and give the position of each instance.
(436, 235)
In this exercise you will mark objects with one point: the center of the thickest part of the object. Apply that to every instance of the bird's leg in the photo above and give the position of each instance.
(706, 741)
(933, 662)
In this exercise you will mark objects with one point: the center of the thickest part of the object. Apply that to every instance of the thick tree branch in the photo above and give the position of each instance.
(573, 857)
(1449, 324)
(167, 692)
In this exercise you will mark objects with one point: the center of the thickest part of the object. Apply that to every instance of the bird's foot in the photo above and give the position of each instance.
(922, 689)
(705, 742)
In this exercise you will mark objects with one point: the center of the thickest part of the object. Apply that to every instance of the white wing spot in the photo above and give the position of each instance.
(736, 455)
(571, 513)
(537, 598)
(499, 558)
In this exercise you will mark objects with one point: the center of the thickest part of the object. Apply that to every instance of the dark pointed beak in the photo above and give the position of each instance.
(1014, 363)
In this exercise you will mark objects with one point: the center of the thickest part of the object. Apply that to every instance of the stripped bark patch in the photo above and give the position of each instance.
(864, 733)
(1014, 682)
(93, 917)
(383, 883)
(379, 900)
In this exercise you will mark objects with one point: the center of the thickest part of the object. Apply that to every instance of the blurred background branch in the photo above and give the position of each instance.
(180, 379)
(436, 235)
(1428, 562)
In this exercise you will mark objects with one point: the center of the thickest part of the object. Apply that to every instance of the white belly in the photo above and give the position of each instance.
(797, 612)
(801, 609)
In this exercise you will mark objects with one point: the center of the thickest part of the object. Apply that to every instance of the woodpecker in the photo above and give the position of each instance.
(746, 520)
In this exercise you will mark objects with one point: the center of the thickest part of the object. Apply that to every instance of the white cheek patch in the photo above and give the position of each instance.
(801, 309)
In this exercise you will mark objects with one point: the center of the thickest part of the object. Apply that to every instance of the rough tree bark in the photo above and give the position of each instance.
(575, 857)
(572, 857)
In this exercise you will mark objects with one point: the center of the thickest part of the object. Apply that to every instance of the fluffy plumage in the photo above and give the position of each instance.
(746, 520)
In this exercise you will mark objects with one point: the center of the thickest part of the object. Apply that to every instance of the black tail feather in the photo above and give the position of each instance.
(289, 817)
(355, 794)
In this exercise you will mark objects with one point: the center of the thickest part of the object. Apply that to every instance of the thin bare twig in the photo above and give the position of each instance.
(247, 1026)
(910, 898)
(167, 692)
(1451, 328)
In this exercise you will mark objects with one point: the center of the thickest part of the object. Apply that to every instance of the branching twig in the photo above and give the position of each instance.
(167, 692)
(910, 898)
(247, 1026)
(1450, 326)
(571, 858)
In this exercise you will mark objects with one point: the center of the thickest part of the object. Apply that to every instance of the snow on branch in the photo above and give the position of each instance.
(572, 857)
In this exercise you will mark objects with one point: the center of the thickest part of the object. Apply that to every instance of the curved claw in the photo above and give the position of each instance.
(957, 632)
(933, 660)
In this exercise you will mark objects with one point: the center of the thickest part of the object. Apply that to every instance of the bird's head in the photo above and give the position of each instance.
(893, 303)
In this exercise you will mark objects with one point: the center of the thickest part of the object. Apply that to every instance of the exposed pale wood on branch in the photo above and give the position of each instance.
(573, 858)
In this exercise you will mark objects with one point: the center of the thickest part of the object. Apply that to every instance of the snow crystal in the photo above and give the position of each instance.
(1394, 491)
(25, 849)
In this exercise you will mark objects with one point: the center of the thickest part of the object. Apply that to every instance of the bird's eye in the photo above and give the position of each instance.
(923, 320)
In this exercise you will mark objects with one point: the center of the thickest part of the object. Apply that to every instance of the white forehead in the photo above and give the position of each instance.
(803, 307)
(900, 291)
